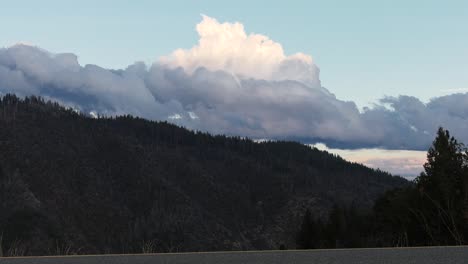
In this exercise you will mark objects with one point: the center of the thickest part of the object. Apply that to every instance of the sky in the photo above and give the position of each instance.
(365, 49)
(359, 51)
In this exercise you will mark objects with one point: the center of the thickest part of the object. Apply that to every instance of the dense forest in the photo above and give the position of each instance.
(72, 184)
(431, 212)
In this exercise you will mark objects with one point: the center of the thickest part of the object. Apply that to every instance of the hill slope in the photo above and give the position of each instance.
(74, 184)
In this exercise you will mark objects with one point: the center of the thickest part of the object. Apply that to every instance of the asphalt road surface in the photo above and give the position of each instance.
(430, 255)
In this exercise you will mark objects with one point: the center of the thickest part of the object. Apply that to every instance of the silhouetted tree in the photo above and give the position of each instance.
(443, 189)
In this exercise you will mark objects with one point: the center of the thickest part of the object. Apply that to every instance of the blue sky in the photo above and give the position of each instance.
(365, 49)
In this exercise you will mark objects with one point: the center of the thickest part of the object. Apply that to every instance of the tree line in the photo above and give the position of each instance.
(432, 211)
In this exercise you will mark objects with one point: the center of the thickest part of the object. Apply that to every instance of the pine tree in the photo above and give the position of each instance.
(443, 189)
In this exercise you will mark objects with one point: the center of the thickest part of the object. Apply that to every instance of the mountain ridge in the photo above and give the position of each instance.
(123, 184)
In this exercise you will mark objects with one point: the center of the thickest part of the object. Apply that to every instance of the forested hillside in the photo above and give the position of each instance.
(72, 184)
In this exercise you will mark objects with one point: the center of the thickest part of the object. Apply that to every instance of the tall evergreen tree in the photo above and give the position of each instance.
(444, 170)
(443, 188)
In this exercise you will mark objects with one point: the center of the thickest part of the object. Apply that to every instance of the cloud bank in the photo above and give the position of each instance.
(406, 163)
(233, 83)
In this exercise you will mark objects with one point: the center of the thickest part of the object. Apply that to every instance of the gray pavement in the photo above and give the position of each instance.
(430, 255)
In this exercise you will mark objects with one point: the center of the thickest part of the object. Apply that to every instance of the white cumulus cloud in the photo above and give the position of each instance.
(227, 47)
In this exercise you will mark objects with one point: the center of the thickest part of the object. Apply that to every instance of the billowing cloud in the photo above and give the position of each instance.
(227, 47)
(28, 70)
(232, 83)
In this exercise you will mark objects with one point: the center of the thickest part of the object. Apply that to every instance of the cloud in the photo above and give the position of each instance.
(406, 163)
(28, 70)
(408, 167)
(410, 123)
(233, 83)
(227, 47)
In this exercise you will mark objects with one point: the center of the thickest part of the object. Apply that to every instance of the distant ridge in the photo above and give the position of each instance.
(72, 184)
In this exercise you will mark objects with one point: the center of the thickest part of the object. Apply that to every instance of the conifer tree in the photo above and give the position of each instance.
(442, 186)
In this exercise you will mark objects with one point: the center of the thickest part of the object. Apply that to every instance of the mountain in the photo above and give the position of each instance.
(72, 184)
